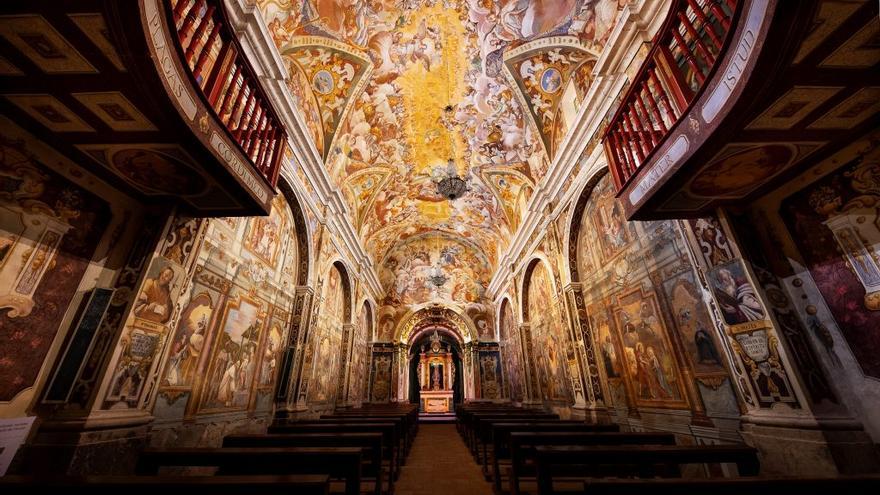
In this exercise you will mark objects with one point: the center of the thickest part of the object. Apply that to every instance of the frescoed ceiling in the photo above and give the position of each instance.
(393, 89)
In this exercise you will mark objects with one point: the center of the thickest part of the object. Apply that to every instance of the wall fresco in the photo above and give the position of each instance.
(327, 339)
(380, 386)
(491, 382)
(640, 292)
(834, 223)
(225, 349)
(49, 229)
(511, 352)
(548, 335)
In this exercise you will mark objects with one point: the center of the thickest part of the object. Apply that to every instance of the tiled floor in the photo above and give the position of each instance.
(440, 463)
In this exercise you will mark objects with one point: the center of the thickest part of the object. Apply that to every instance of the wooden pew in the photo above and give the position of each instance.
(463, 412)
(404, 433)
(337, 462)
(474, 430)
(151, 485)
(409, 417)
(843, 485)
(480, 432)
(522, 445)
(499, 433)
(370, 442)
(388, 431)
(635, 460)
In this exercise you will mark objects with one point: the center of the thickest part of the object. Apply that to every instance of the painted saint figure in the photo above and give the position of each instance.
(154, 301)
(737, 298)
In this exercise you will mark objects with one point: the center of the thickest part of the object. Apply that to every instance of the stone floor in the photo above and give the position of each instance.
(439, 463)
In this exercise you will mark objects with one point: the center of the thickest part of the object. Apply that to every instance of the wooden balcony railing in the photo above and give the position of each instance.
(693, 39)
(228, 83)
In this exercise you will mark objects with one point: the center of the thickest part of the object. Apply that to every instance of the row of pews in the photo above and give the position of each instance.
(528, 451)
(356, 451)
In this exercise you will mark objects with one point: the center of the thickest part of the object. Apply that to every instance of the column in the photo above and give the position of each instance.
(348, 330)
(788, 404)
(107, 410)
(291, 361)
(585, 343)
(533, 391)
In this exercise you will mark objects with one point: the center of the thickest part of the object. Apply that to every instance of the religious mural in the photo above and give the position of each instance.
(233, 362)
(641, 292)
(380, 388)
(144, 333)
(491, 383)
(543, 72)
(406, 272)
(481, 315)
(834, 223)
(547, 323)
(433, 89)
(735, 294)
(511, 351)
(49, 229)
(327, 339)
(647, 352)
(225, 349)
(694, 323)
(359, 366)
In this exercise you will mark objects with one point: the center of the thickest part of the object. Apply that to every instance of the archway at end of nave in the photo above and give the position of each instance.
(435, 371)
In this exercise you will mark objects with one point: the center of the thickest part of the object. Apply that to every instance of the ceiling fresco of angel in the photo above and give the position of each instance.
(391, 90)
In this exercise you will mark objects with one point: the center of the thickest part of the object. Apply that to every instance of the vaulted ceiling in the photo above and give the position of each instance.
(392, 89)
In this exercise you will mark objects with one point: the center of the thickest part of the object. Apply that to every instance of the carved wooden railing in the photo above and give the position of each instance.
(693, 39)
(228, 83)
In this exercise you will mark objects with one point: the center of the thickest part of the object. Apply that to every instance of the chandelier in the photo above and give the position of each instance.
(437, 278)
(451, 186)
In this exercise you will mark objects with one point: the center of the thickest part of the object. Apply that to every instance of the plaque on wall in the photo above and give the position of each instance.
(13, 433)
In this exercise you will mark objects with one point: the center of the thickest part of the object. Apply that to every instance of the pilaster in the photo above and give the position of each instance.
(769, 364)
(105, 413)
(585, 342)
(291, 367)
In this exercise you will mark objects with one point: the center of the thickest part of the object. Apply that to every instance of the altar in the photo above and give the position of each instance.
(436, 373)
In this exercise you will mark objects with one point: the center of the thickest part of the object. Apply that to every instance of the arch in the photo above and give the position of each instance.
(511, 350)
(538, 258)
(301, 229)
(345, 278)
(505, 301)
(430, 327)
(548, 333)
(366, 305)
(575, 226)
(435, 315)
(457, 347)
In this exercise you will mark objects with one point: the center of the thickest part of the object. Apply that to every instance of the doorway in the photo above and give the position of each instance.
(415, 351)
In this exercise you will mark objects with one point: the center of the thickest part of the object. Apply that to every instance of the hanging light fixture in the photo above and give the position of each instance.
(437, 277)
(451, 186)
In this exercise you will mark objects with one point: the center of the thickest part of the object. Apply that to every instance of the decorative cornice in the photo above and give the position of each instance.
(261, 51)
(637, 22)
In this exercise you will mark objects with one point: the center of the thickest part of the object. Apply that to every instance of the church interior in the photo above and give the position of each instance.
(440, 246)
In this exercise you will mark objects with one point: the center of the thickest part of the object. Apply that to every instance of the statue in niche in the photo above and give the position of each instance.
(435, 377)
